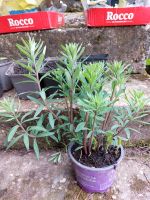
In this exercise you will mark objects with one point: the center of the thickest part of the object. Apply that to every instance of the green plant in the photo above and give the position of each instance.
(43, 124)
(20, 131)
(99, 121)
(147, 61)
(90, 116)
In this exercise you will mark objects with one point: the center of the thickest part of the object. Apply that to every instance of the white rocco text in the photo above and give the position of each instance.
(20, 22)
(121, 17)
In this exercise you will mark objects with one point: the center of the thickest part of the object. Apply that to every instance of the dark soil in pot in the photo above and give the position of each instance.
(98, 159)
(19, 70)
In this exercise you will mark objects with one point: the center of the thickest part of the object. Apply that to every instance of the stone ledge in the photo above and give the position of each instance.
(130, 43)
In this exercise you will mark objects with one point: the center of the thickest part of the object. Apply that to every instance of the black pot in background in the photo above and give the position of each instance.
(1, 89)
(6, 83)
(22, 87)
(94, 58)
(52, 85)
(147, 69)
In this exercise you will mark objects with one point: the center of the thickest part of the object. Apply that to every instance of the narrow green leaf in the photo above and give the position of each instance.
(45, 134)
(78, 148)
(143, 122)
(51, 120)
(25, 66)
(26, 141)
(43, 95)
(123, 138)
(128, 133)
(114, 127)
(30, 77)
(30, 119)
(41, 120)
(55, 158)
(40, 60)
(89, 134)
(68, 78)
(12, 132)
(38, 128)
(26, 115)
(54, 138)
(23, 50)
(132, 129)
(35, 100)
(38, 111)
(14, 141)
(47, 74)
(36, 148)
(118, 118)
(80, 127)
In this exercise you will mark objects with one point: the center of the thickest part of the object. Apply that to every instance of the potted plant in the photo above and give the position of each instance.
(5, 81)
(23, 72)
(95, 125)
(91, 119)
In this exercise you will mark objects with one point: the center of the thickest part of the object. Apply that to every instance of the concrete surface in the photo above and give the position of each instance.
(22, 177)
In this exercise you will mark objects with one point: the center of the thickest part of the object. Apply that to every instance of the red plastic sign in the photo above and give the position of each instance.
(117, 16)
(31, 21)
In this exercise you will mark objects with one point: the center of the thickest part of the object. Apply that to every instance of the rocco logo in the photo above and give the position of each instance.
(119, 17)
(20, 22)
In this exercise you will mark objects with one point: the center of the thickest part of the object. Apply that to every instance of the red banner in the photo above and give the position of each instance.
(117, 16)
(31, 21)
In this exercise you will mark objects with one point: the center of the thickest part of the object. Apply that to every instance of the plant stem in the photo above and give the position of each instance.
(67, 107)
(91, 139)
(45, 102)
(71, 106)
(21, 126)
(85, 134)
(38, 82)
(107, 116)
(119, 131)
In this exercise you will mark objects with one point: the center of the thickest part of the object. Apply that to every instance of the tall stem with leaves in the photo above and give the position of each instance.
(70, 68)
(33, 56)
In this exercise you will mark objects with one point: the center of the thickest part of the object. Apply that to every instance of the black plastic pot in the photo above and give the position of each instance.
(51, 85)
(23, 86)
(94, 58)
(1, 90)
(147, 69)
(6, 83)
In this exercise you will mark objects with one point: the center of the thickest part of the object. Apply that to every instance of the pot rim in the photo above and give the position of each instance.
(94, 168)
(4, 64)
(10, 71)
